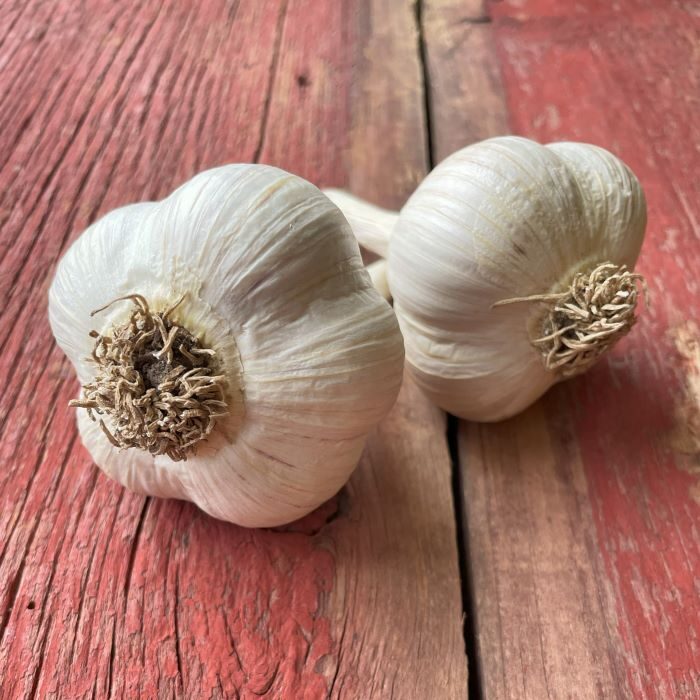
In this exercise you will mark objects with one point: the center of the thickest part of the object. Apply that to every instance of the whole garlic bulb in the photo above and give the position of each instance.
(241, 355)
(510, 269)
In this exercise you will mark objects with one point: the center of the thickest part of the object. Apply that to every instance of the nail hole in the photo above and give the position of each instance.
(303, 80)
(31, 605)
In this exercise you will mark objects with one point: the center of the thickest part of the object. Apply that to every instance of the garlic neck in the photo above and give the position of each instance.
(579, 324)
(378, 274)
(371, 225)
(155, 383)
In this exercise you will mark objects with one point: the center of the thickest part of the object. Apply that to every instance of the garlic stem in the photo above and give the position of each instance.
(371, 225)
(377, 272)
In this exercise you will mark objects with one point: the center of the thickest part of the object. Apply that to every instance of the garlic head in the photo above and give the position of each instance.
(511, 268)
(231, 348)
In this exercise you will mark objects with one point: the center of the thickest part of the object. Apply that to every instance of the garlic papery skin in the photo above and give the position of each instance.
(264, 277)
(372, 225)
(511, 269)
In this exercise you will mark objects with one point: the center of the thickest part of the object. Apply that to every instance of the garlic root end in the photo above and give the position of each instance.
(155, 382)
(583, 322)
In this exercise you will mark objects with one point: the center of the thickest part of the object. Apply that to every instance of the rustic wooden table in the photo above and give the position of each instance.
(554, 555)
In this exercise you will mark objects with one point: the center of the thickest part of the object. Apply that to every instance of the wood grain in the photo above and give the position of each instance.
(639, 475)
(395, 605)
(104, 593)
(544, 614)
(464, 86)
(580, 515)
(388, 146)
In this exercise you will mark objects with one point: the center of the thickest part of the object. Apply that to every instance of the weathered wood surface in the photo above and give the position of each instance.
(581, 569)
(107, 594)
(581, 515)
(465, 93)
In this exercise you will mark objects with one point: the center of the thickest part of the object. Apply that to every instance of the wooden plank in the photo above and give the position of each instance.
(544, 618)
(640, 473)
(580, 514)
(466, 97)
(395, 605)
(103, 592)
(387, 151)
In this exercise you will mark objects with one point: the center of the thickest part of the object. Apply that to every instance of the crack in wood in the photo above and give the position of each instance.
(112, 654)
(341, 649)
(178, 639)
(134, 549)
(271, 82)
(425, 76)
(469, 609)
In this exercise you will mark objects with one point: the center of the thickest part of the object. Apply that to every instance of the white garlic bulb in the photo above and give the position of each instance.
(510, 269)
(242, 354)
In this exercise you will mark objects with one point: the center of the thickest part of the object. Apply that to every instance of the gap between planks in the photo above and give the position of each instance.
(468, 609)
(484, 120)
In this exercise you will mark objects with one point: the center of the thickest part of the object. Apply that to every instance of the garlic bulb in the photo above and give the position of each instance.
(231, 348)
(510, 268)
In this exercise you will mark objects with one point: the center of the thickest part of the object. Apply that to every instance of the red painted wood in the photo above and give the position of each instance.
(540, 599)
(624, 75)
(579, 514)
(104, 593)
